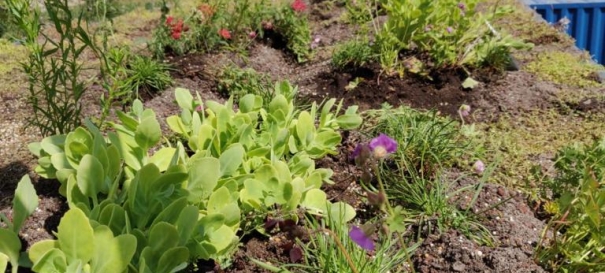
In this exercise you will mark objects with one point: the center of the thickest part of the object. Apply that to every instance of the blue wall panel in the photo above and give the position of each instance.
(587, 21)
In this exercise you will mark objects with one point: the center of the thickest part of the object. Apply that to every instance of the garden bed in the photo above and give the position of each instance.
(522, 119)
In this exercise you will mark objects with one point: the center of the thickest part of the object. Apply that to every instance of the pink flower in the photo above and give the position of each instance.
(464, 110)
(225, 34)
(169, 20)
(299, 6)
(449, 30)
(252, 34)
(176, 35)
(479, 167)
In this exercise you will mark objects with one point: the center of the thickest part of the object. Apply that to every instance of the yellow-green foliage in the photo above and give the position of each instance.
(10, 54)
(565, 68)
(520, 142)
(12, 78)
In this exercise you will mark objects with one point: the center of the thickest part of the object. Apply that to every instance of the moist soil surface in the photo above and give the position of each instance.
(514, 224)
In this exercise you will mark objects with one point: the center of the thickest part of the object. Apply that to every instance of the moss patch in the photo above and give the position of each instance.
(565, 68)
(11, 55)
(519, 143)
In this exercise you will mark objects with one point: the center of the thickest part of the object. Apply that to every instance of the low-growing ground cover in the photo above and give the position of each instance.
(502, 175)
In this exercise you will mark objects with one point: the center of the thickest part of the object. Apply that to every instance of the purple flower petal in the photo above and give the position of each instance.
(361, 239)
(382, 144)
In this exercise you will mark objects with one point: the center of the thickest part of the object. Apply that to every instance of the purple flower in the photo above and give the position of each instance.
(361, 238)
(315, 42)
(382, 145)
(428, 28)
(361, 154)
(199, 108)
(462, 7)
(479, 167)
(449, 30)
(464, 110)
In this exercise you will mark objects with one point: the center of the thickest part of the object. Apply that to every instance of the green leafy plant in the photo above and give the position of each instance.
(452, 32)
(234, 166)
(146, 75)
(428, 140)
(353, 53)
(53, 67)
(322, 255)
(292, 23)
(25, 203)
(80, 247)
(237, 82)
(213, 24)
(577, 226)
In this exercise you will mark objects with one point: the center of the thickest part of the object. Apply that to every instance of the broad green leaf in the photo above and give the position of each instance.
(40, 248)
(247, 103)
(328, 139)
(35, 148)
(469, 83)
(342, 212)
(3, 262)
(163, 157)
(115, 164)
(10, 245)
(231, 159)
(209, 224)
(221, 238)
(279, 104)
(325, 112)
(73, 193)
(148, 132)
(77, 144)
(111, 254)
(176, 125)
(53, 144)
(315, 200)
(129, 122)
(113, 216)
(184, 98)
(204, 174)
(305, 128)
(90, 176)
(25, 202)
(171, 213)
(75, 236)
(349, 121)
(53, 261)
(59, 161)
(173, 259)
(186, 223)
(218, 200)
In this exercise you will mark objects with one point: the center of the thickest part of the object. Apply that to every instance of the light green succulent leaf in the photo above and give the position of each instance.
(25, 202)
(10, 245)
(75, 236)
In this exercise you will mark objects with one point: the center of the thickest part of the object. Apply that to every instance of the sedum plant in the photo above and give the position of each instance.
(25, 203)
(183, 204)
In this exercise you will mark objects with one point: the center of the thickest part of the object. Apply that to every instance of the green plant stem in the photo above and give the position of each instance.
(391, 212)
(342, 248)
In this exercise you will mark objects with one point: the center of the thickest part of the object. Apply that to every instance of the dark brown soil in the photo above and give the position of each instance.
(513, 224)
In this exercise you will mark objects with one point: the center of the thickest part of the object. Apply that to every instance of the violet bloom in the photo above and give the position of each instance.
(462, 7)
(315, 42)
(382, 145)
(479, 167)
(449, 30)
(464, 110)
(361, 239)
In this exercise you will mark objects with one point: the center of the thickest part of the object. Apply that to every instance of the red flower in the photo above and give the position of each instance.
(169, 20)
(299, 6)
(178, 27)
(176, 35)
(224, 33)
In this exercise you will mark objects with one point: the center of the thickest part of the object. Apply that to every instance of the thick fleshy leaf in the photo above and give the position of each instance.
(90, 176)
(52, 261)
(315, 201)
(24, 203)
(10, 245)
(148, 132)
(204, 174)
(75, 236)
(112, 254)
(231, 159)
